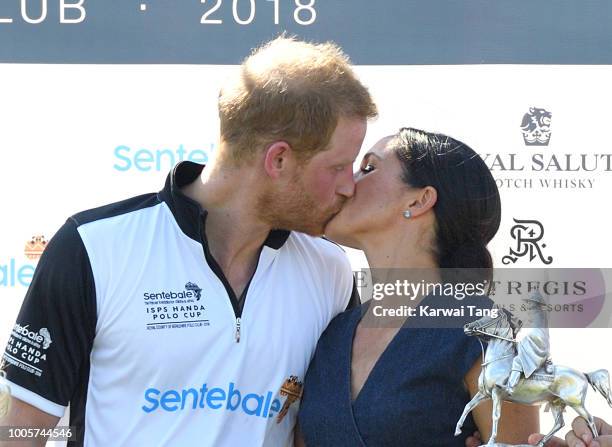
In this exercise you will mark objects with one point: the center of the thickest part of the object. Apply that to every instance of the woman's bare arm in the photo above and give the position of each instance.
(22, 414)
(298, 439)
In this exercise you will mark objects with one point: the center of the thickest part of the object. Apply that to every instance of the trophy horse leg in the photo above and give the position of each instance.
(497, 403)
(557, 409)
(478, 397)
(579, 408)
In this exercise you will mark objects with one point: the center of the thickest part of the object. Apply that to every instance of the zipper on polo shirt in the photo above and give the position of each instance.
(238, 330)
(237, 303)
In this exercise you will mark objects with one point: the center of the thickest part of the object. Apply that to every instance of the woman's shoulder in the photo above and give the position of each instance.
(339, 329)
(331, 347)
(342, 323)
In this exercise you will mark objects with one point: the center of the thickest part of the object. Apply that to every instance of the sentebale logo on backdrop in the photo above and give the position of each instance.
(141, 159)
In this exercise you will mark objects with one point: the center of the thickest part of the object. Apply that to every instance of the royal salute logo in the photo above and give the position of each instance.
(536, 127)
(541, 168)
(527, 235)
(292, 388)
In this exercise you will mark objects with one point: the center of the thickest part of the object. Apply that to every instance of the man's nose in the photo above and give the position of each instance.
(346, 187)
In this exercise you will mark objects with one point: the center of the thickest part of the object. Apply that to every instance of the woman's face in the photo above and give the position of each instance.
(379, 200)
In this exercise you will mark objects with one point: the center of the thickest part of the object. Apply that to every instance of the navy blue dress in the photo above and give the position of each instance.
(413, 397)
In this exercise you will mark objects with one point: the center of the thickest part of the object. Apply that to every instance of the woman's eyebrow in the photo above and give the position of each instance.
(372, 153)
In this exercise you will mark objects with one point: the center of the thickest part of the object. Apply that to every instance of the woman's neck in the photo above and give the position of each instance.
(402, 260)
(405, 252)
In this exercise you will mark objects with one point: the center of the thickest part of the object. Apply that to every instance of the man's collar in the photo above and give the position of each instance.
(188, 213)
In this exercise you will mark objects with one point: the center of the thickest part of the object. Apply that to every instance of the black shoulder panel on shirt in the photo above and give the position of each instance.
(49, 347)
(117, 208)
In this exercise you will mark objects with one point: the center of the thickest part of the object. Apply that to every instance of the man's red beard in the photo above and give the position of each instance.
(294, 209)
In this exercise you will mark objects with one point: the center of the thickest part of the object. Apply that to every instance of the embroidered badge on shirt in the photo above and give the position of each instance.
(292, 388)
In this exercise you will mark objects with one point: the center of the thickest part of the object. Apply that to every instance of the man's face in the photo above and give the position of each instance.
(320, 186)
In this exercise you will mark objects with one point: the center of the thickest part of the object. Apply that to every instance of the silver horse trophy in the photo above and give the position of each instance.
(517, 368)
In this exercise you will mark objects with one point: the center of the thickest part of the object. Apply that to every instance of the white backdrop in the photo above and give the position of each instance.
(74, 137)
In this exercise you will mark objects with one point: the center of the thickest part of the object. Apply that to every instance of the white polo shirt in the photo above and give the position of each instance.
(130, 320)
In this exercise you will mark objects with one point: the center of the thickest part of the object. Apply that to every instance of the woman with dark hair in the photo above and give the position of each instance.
(423, 202)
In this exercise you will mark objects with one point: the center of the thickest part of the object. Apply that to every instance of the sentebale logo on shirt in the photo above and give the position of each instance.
(215, 399)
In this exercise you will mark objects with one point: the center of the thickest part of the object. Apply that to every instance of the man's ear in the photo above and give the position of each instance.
(422, 201)
(277, 158)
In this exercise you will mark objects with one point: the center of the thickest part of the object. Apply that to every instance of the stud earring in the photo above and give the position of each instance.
(407, 214)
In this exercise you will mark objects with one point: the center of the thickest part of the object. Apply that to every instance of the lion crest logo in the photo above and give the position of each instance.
(536, 127)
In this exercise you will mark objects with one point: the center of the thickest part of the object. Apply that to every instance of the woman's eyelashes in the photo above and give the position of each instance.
(367, 168)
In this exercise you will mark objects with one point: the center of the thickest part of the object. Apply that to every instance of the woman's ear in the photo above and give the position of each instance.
(277, 158)
(422, 201)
